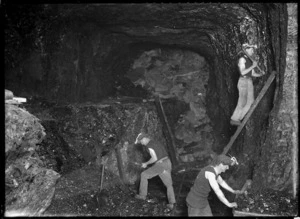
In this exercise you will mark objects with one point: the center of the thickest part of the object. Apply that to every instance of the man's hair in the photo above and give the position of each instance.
(249, 47)
(140, 137)
(225, 160)
(246, 46)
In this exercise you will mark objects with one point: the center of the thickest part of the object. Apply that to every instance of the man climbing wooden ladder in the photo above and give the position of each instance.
(254, 105)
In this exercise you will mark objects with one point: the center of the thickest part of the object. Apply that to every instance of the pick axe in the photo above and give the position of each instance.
(245, 187)
(135, 163)
(252, 60)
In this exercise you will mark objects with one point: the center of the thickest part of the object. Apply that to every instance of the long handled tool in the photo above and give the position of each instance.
(169, 134)
(243, 190)
(102, 197)
(102, 177)
(245, 187)
(252, 60)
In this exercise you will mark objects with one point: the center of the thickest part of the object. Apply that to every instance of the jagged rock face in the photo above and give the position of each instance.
(80, 53)
(280, 151)
(29, 184)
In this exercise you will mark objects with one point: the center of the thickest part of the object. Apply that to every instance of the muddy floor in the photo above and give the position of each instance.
(77, 194)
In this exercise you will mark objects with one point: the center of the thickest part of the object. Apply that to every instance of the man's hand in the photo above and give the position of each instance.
(234, 161)
(104, 160)
(232, 205)
(254, 64)
(144, 165)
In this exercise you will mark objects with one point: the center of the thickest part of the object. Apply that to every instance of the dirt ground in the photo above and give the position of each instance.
(80, 196)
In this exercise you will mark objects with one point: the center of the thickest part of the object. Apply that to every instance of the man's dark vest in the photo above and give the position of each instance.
(248, 64)
(159, 149)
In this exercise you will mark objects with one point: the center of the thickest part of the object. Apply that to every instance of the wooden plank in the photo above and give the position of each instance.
(178, 193)
(254, 105)
(168, 133)
(251, 214)
(20, 99)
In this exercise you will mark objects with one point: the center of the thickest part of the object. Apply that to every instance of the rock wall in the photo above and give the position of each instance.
(278, 168)
(71, 64)
(29, 184)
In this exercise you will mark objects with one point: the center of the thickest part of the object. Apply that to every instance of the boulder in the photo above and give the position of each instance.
(29, 186)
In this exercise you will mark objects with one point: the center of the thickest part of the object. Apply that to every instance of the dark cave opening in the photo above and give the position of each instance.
(217, 113)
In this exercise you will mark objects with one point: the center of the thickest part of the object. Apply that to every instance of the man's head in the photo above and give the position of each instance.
(142, 138)
(249, 48)
(222, 162)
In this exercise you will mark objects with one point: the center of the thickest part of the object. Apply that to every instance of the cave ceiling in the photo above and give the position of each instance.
(119, 33)
(188, 25)
(184, 24)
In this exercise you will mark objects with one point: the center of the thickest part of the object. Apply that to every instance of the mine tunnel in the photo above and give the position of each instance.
(82, 81)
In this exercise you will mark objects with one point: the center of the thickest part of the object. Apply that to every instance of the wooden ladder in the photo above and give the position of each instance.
(254, 105)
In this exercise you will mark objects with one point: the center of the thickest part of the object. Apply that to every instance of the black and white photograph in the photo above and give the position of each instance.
(150, 109)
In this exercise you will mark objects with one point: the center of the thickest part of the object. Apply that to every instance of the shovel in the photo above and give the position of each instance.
(102, 196)
(102, 176)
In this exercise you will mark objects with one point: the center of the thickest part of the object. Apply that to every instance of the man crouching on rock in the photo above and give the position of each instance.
(162, 167)
(209, 178)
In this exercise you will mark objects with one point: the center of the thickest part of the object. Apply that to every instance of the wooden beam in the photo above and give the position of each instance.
(254, 105)
(178, 194)
(251, 214)
(168, 132)
(120, 164)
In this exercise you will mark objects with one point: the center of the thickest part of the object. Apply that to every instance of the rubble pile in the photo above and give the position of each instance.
(262, 202)
(78, 136)
(29, 185)
(87, 133)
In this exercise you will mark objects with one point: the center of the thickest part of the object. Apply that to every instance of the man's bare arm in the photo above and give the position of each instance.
(215, 186)
(242, 66)
(153, 157)
(224, 184)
